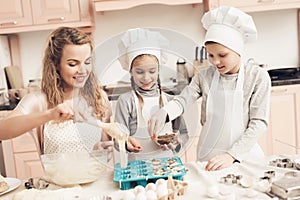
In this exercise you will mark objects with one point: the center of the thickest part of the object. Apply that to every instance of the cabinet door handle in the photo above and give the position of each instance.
(279, 91)
(265, 1)
(9, 23)
(56, 19)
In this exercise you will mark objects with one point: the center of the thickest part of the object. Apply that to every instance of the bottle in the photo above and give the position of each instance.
(182, 73)
(34, 85)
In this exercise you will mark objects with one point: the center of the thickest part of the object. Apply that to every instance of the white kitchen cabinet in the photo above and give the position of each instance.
(34, 15)
(109, 5)
(54, 11)
(283, 135)
(15, 13)
(256, 5)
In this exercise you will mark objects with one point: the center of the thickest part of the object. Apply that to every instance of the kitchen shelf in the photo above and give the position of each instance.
(110, 5)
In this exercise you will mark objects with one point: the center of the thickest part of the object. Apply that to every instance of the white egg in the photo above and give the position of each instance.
(226, 189)
(161, 190)
(150, 186)
(212, 191)
(128, 195)
(139, 189)
(161, 181)
(151, 195)
(250, 193)
(141, 196)
(246, 181)
(263, 186)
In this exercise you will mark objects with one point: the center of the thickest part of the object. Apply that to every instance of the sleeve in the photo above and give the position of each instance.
(259, 110)
(122, 113)
(32, 103)
(188, 96)
(179, 125)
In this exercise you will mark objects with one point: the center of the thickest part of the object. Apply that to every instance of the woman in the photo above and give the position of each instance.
(236, 97)
(143, 56)
(70, 92)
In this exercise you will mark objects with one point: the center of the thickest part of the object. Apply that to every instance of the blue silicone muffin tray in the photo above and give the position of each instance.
(142, 172)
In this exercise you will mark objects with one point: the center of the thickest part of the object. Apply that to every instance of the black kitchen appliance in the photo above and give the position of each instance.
(285, 76)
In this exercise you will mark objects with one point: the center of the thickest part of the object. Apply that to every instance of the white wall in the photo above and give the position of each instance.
(276, 46)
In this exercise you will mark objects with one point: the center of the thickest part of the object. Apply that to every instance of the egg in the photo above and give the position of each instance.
(128, 195)
(151, 195)
(246, 181)
(161, 190)
(263, 186)
(250, 193)
(161, 182)
(225, 190)
(213, 191)
(150, 186)
(141, 196)
(139, 189)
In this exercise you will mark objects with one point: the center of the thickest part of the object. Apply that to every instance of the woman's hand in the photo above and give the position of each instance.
(133, 145)
(219, 162)
(66, 111)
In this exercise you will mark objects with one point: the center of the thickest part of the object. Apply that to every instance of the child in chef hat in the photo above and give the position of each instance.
(142, 54)
(235, 96)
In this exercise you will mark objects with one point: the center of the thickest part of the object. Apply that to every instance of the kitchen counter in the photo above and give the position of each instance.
(200, 182)
(285, 82)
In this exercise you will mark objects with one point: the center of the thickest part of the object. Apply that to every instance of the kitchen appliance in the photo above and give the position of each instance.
(182, 73)
(285, 76)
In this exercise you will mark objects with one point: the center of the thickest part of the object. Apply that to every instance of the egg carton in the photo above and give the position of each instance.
(161, 190)
(142, 172)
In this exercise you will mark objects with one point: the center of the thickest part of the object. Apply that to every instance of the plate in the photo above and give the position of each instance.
(13, 184)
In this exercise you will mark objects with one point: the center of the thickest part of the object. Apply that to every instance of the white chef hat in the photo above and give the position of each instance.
(140, 41)
(230, 27)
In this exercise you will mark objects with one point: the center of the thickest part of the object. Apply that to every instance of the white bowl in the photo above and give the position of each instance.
(74, 168)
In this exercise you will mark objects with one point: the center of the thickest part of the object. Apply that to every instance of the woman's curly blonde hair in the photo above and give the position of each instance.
(52, 84)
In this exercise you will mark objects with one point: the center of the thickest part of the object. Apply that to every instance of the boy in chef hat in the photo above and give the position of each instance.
(142, 54)
(235, 97)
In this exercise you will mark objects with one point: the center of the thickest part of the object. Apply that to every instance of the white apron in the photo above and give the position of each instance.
(224, 120)
(68, 136)
(150, 149)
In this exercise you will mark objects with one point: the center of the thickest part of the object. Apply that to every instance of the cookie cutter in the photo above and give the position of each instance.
(231, 179)
(283, 163)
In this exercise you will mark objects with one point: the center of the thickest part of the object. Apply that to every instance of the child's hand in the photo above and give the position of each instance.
(133, 145)
(219, 162)
(171, 146)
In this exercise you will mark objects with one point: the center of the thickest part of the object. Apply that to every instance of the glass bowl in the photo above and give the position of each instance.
(73, 168)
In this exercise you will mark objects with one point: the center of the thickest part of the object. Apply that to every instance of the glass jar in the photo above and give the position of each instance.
(34, 85)
(182, 73)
